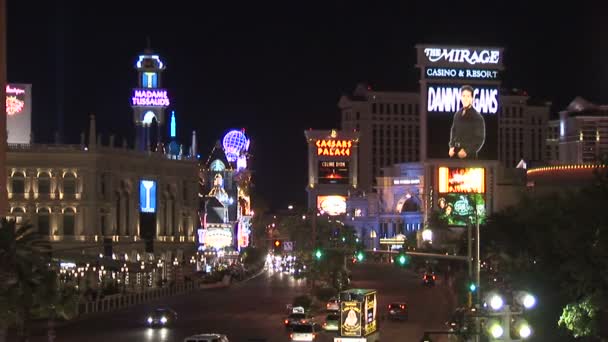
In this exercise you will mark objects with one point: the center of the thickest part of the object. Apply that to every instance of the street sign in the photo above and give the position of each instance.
(288, 246)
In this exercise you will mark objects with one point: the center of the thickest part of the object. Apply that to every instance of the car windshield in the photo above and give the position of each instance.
(302, 328)
(333, 318)
(297, 316)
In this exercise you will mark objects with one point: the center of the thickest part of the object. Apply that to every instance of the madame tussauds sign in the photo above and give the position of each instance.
(467, 56)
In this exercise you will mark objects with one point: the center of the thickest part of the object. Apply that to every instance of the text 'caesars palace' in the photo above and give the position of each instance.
(457, 150)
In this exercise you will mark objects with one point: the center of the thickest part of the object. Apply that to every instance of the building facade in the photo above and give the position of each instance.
(389, 127)
(583, 133)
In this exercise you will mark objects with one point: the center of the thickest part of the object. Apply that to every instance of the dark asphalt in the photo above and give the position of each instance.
(255, 309)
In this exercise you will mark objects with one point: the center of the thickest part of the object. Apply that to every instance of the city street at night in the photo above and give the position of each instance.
(255, 310)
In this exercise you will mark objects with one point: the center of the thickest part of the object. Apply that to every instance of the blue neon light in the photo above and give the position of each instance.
(147, 196)
(173, 125)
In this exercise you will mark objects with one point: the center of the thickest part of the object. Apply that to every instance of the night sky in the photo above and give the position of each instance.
(279, 69)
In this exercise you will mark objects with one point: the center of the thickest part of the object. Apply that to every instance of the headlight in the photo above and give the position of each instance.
(163, 320)
(150, 320)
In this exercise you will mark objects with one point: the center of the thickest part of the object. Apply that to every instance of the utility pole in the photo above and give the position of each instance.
(3, 136)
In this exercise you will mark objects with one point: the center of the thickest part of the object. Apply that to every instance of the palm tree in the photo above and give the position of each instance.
(53, 302)
(24, 257)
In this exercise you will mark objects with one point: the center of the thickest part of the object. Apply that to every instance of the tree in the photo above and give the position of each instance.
(554, 246)
(54, 301)
(24, 255)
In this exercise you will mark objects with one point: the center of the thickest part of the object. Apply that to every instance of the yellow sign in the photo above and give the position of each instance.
(469, 180)
(337, 148)
(350, 317)
(370, 310)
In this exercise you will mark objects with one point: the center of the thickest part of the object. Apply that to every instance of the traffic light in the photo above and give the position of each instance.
(318, 254)
(472, 287)
(277, 243)
(403, 259)
(360, 256)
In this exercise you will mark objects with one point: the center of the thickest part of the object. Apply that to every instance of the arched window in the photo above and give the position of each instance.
(18, 183)
(68, 222)
(44, 183)
(18, 213)
(44, 226)
(69, 185)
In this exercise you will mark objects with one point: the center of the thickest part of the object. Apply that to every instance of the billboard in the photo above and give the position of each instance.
(459, 209)
(333, 172)
(460, 97)
(350, 318)
(147, 196)
(332, 205)
(19, 113)
(462, 121)
(216, 237)
(461, 180)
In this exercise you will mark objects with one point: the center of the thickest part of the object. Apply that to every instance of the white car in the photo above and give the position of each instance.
(303, 332)
(207, 338)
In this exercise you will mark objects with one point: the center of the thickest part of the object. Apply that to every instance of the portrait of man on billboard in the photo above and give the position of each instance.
(468, 131)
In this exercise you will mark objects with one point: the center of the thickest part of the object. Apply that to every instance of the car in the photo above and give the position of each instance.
(296, 318)
(161, 317)
(303, 332)
(333, 305)
(207, 338)
(398, 311)
(332, 322)
(429, 278)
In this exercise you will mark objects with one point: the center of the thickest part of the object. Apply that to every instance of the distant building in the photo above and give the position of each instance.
(583, 133)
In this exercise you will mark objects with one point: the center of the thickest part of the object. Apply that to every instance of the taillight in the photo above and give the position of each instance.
(433, 277)
(402, 306)
(291, 336)
(389, 306)
(286, 321)
(314, 335)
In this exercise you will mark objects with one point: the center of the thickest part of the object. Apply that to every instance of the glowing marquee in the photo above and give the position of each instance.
(218, 237)
(332, 205)
(468, 56)
(462, 180)
(339, 148)
(147, 196)
(447, 99)
(14, 103)
(150, 98)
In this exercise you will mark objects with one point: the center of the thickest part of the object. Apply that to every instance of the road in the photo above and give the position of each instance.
(255, 309)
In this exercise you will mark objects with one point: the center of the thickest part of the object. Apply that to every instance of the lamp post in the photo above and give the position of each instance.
(502, 321)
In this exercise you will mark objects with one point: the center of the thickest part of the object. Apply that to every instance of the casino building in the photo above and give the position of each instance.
(103, 203)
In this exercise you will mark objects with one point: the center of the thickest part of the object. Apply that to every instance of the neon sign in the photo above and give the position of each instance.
(447, 99)
(14, 91)
(469, 74)
(469, 56)
(150, 98)
(218, 237)
(338, 148)
(147, 196)
(462, 180)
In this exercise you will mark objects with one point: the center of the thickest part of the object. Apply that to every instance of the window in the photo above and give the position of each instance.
(374, 108)
(68, 222)
(18, 183)
(358, 116)
(44, 227)
(69, 184)
(44, 183)
(409, 109)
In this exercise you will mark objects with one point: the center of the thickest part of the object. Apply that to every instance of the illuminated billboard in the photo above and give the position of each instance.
(19, 113)
(461, 121)
(462, 180)
(459, 209)
(332, 205)
(464, 56)
(216, 237)
(147, 196)
(333, 172)
(149, 98)
(333, 147)
(350, 318)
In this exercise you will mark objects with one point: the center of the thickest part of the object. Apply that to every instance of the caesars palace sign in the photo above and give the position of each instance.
(331, 147)
(467, 56)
